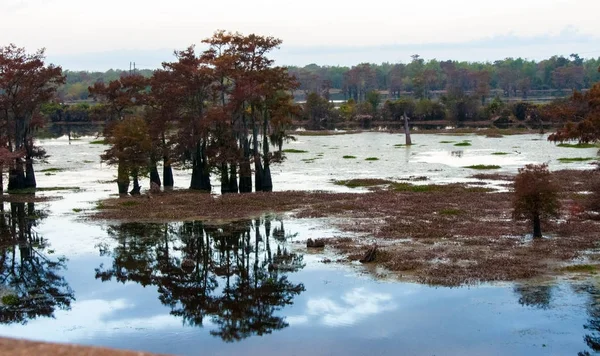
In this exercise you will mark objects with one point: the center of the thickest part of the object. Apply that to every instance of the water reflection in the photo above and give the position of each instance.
(538, 296)
(31, 285)
(235, 273)
(592, 327)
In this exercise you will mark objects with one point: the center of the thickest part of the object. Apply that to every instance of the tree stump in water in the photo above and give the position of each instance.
(370, 255)
(310, 243)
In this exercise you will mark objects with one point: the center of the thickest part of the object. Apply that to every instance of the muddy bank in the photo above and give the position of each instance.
(17, 347)
(448, 235)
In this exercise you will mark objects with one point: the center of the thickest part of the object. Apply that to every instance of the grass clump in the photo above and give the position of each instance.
(407, 187)
(98, 142)
(577, 145)
(483, 166)
(77, 210)
(500, 153)
(451, 211)
(576, 159)
(293, 150)
(463, 144)
(51, 170)
(349, 157)
(371, 159)
(580, 268)
(447, 141)
(365, 182)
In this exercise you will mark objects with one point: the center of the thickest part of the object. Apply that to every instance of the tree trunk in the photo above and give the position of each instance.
(200, 170)
(537, 229)
(1, 180)
(267, 182)
(16, 176)
(258, 169)
(136, 183)
(29, 174)
(122, 179)
(233, 185)
(224, 178)
(407, 130)
(167, 174)
(154, 176)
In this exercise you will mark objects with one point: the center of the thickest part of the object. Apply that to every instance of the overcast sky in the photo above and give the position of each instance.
(82, 34)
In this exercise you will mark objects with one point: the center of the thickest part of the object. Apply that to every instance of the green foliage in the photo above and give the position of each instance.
(463, 144)
(577, 145)
(293, 150)
(576, 159)
(483, 166)
(361, 182)
(371, 159)
(500, 153)
(349, 157)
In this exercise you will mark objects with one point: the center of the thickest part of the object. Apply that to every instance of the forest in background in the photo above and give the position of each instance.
(509, 78)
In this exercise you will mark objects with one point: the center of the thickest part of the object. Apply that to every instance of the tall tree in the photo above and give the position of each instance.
(26, 83)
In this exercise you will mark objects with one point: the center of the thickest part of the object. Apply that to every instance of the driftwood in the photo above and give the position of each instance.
(370, 255)
(310, 243)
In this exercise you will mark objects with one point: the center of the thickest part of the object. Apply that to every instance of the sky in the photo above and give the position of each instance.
(98, 35)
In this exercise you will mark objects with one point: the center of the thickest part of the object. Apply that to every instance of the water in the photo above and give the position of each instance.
(252, 287)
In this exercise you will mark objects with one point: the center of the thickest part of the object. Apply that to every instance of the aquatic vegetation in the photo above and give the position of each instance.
(368, 182)
(500, 153)
(293, 150)
(576, 159)
(349, 157)
(371, 159)
(50, 170)
(447, 141)
(463, 144)
(577, 145)
(99, 142)
(483, 166)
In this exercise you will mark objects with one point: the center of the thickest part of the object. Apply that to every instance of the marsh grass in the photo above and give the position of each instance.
(576, 159)
(483, 166)
(358, 182)
(293, 150)
(577, 145)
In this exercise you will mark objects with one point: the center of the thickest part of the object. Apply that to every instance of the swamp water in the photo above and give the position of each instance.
(251, 287)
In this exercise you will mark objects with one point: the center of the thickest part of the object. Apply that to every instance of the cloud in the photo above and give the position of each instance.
(354, 306)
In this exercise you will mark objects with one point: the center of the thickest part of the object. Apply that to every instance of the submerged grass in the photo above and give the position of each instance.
(463, 144)
(500, 153)
(483, 166)
(447, 141)
(371, 159)
(49, 170)
(577, 145)
(577, 159)
(293, 150)
(358, 182)
(349, 157)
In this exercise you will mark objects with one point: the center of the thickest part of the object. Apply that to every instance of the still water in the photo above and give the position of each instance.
(252, 287)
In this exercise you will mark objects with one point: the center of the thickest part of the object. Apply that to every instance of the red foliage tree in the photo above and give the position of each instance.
(26, 83)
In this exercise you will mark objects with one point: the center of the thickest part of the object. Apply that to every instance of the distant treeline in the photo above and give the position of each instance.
(419, 78)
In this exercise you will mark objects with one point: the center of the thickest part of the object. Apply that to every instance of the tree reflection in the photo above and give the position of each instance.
(235, 274)
(592, 327)
(538, 296)
(30, 283)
